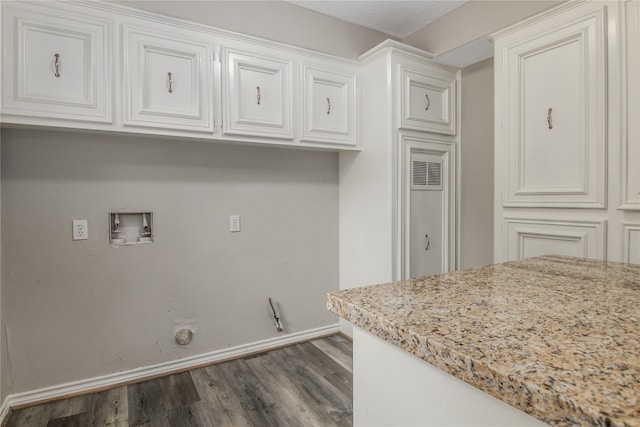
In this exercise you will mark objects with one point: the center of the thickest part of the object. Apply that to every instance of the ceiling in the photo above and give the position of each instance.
(397, 18)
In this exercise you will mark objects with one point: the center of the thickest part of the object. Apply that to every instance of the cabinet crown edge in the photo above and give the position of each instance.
(392, 46)
(543, 16)
(206, 29)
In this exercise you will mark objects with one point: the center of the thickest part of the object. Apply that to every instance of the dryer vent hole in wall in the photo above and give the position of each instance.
(184, 336)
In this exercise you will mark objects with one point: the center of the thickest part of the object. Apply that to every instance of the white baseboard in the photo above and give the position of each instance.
(4, 411)
(111, 380)
(346, 328)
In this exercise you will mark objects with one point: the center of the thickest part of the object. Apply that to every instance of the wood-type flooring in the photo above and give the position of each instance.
(307, 384)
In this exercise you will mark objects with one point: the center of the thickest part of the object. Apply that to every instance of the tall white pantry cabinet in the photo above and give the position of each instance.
(411, 107)
(566, 134)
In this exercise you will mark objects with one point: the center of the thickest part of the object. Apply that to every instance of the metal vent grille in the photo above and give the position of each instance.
(434, 174)
(419, 176)
(426, 175)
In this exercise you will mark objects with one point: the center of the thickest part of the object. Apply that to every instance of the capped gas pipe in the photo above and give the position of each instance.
(279, 326)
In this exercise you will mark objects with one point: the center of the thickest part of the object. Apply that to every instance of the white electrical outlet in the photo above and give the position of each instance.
(80, 229)
(234, 223)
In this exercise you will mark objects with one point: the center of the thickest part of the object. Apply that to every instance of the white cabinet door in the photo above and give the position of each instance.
(558, 133)
(553, 86)
(55, 65)
(329, 107)
(168, 80)
(427, 205)
(428, 102)
(257, 95)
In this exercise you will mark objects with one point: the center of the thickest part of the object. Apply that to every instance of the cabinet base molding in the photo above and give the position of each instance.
(526, 238)
(631, 242)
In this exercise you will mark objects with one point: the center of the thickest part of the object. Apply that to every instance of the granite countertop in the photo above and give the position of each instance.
(556, 337)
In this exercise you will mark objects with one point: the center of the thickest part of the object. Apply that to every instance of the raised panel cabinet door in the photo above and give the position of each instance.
(554, 85)
(428, 103)
(56, 66)
(427, 205)
(329, 109)
(528, 238)
(256, 95)
(168, 81)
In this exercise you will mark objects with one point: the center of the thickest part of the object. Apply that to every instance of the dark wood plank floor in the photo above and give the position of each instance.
(308, 384)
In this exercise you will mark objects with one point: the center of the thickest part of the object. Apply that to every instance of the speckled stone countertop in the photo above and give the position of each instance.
(556, 337)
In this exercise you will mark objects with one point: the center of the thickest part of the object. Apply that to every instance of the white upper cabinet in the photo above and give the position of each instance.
(329, 106)
(168, 80)
(551, 101)
(257, 94)
(428, 100)
(56, 65)
(100, 66)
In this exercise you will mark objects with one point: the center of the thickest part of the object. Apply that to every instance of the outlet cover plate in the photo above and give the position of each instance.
(234, 223)
(80, 229)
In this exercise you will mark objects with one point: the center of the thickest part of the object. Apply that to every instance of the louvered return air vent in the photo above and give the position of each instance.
(426, 173)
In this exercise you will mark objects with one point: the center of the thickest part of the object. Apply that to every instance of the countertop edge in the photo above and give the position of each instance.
(479, 374)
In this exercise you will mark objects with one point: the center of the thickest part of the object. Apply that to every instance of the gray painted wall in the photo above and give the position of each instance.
(473, 20)
(476, 165)
(273, 20)
(75, 310)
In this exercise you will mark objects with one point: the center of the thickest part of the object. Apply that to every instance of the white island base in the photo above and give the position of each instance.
(392, 387)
